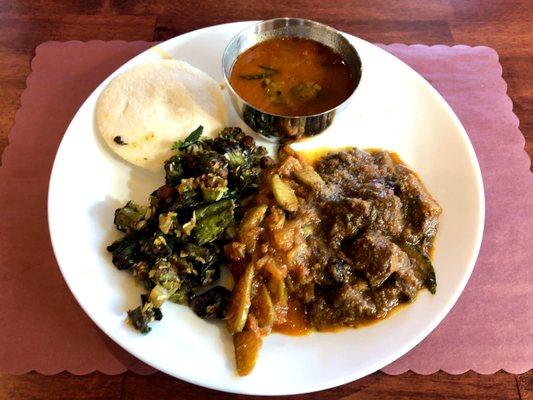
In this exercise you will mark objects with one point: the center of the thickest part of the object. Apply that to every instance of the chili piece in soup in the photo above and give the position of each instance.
(292, 77)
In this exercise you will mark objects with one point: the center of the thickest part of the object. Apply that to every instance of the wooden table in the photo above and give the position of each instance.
(505, 25)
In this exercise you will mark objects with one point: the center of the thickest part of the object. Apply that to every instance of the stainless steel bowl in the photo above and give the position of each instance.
(276, 127)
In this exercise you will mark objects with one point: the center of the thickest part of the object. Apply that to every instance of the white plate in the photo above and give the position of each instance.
(394, 108)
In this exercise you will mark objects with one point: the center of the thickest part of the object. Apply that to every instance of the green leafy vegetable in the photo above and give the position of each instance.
(165, 274)
(267, 72)
(193, 137)
(181, 296)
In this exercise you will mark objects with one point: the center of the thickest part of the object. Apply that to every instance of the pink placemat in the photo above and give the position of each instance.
(44, 329)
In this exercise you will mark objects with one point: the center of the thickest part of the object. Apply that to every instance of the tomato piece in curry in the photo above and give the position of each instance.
(292, 77)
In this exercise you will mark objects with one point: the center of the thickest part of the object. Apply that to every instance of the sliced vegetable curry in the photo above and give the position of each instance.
(336, 245)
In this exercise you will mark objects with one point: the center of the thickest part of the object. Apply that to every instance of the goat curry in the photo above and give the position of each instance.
(334, 245)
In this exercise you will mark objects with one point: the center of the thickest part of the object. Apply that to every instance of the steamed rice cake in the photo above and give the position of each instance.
(144, 110)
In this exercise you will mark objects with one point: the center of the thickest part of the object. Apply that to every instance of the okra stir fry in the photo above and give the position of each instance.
(173, 245)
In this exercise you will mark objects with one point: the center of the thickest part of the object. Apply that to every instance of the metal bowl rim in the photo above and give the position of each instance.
(310, 21)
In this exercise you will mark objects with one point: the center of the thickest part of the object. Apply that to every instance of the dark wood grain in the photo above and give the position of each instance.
(525, 386)
(505, 25)
(201, 13)
(377, 386)
(61, 387)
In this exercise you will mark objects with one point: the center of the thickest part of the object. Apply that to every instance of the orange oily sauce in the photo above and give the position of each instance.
(312, 156)
(292, 77)
(296, 323)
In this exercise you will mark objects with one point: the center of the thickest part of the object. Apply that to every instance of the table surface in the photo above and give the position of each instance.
(505, 25)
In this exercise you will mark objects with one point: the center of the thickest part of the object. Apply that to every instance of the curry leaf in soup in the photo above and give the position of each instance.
(267, 68)
(261, 75)
(267, 72)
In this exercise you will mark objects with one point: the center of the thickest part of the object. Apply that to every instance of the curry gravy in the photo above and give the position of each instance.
(297, 320)
(292, 77)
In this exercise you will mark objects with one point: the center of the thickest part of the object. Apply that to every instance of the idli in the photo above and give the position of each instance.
(144, 110)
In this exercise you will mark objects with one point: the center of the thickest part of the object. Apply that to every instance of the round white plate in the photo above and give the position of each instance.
(394, 108)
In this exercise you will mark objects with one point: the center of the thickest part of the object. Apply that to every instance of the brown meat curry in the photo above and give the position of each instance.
(332, 246)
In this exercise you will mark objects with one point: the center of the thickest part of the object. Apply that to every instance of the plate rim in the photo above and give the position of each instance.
(345, 378)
